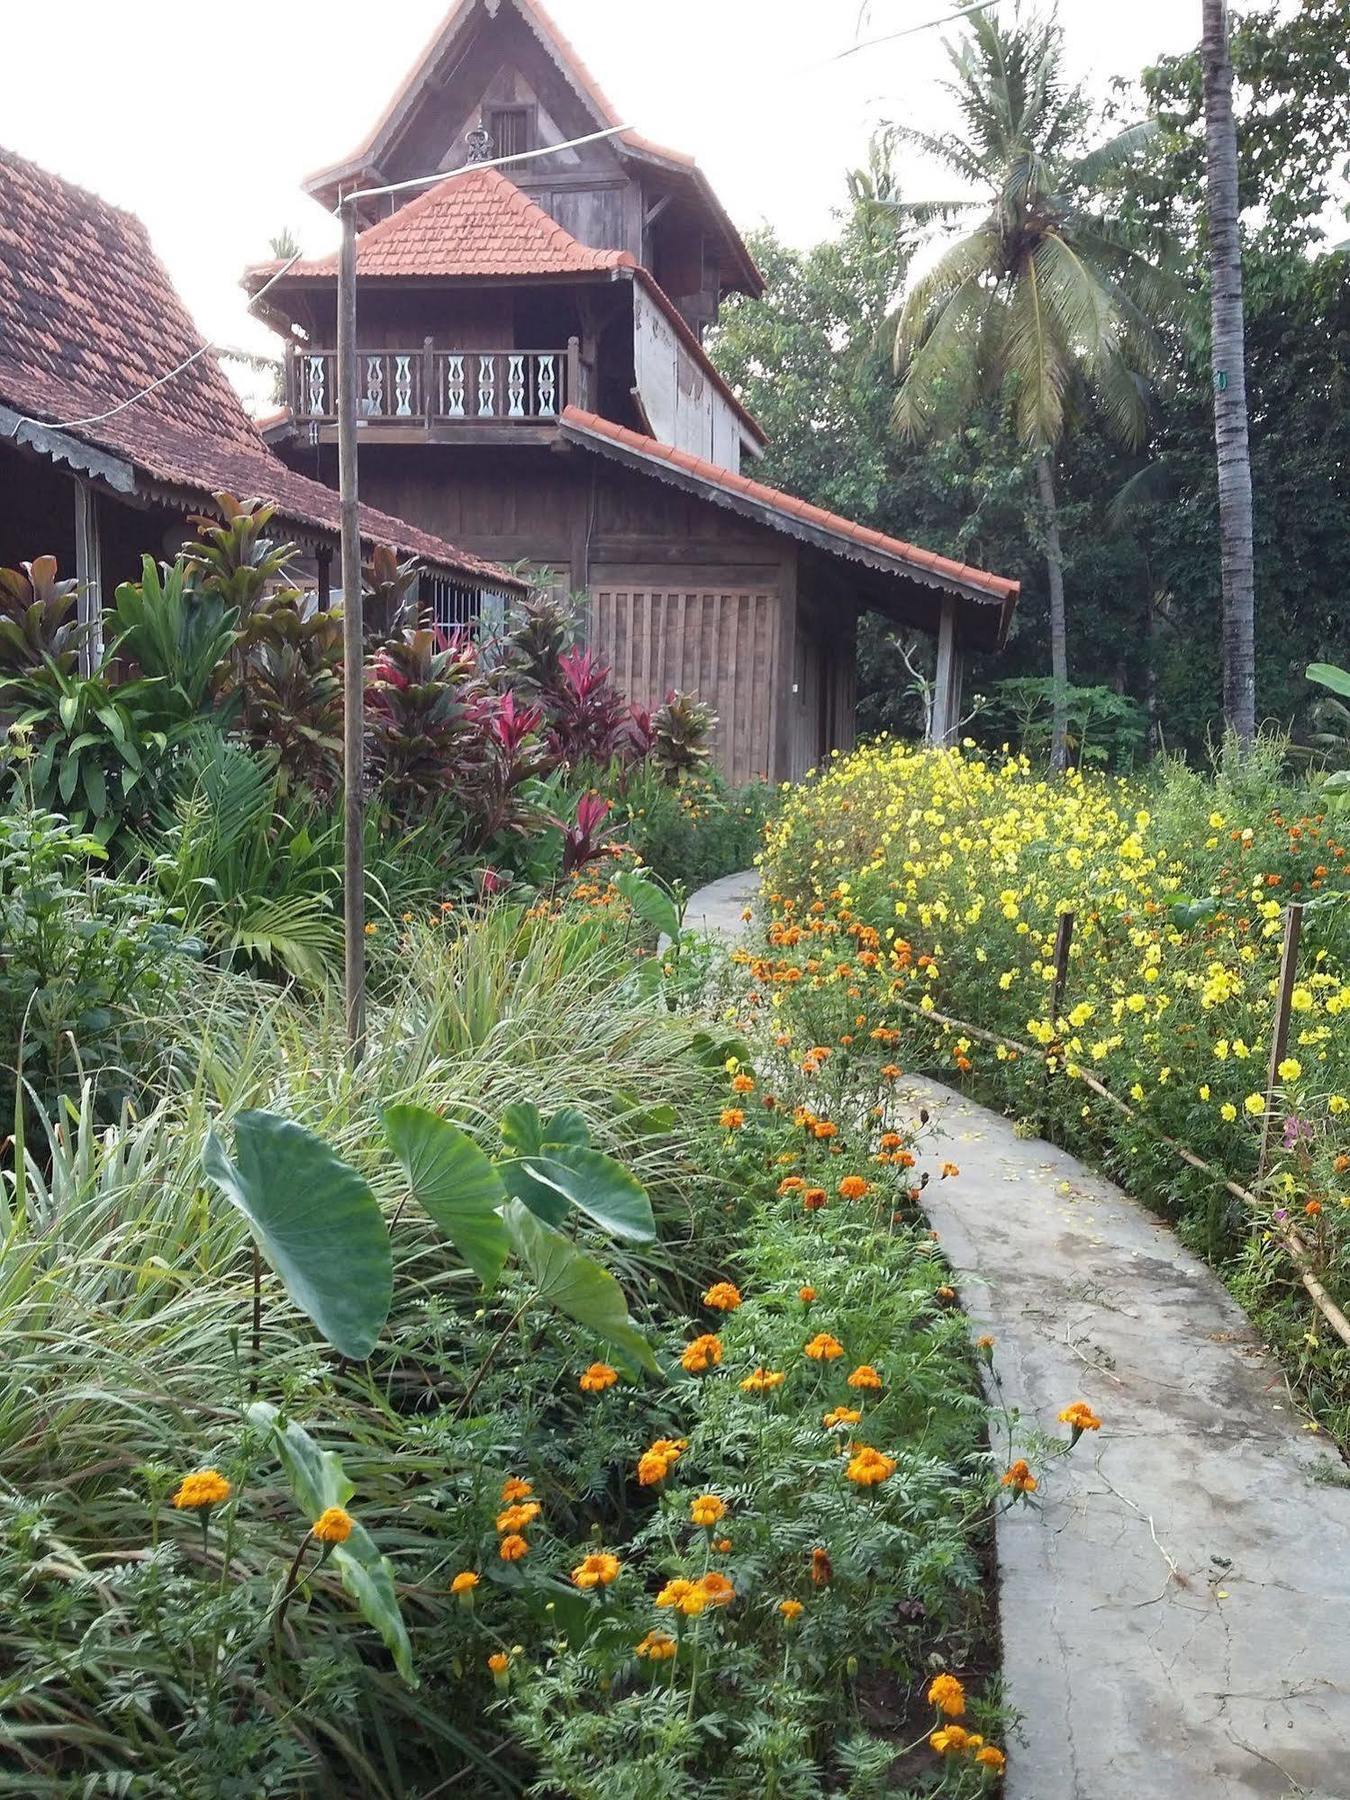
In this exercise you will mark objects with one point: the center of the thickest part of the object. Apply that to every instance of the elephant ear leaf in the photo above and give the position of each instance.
(526, 1133)
(454, 1183)
(316, 1222)
(318, 1480)
(1329, 676)
(652, 904)
(602, 1188)
(576, 1284)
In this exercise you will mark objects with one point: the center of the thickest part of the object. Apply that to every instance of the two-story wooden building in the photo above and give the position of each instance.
(534, 386)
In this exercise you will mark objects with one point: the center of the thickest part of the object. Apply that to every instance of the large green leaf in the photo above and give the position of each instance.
(1327, 675)
(318, 1481)
(316, 1222)
(525, 1131)
(576, 1284)
(455, 1183)
(602, 1188)
(652, 904)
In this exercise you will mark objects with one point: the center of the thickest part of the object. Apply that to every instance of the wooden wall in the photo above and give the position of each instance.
(719, 644)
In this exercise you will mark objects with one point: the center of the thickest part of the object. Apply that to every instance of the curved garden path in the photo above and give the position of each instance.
(1176, 1615)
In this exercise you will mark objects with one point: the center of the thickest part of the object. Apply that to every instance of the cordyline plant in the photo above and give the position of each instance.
(390, 594)
(419, 709)
(680, 729)
(293, 679)
(233, 559)
(588, 717)
(35, 619)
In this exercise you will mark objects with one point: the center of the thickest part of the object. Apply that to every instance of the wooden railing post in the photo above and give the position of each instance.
(1063, 940)
(1279, 1041)
(573, 396)
(428, 380)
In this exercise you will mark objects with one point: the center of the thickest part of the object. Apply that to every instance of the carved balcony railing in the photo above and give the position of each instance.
(431, 387)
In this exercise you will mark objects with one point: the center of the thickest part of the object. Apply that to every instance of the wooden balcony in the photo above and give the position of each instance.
(443, 396)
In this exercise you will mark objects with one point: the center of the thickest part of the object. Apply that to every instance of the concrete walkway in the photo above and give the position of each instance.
(1176, 1612)
(717, 908)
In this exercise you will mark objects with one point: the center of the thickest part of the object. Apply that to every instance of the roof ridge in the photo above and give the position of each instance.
(90, 196)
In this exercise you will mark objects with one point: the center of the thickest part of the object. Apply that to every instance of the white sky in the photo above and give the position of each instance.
(204, 120)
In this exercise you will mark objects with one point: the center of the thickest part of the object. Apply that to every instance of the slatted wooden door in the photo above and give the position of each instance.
(718, 645)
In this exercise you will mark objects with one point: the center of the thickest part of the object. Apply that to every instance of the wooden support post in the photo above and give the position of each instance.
(353, 656)
(573, 395)
(1063, 940)
(1279, 1042)
(89, 574)
(429, 408)
(943, 725)
(324, 561)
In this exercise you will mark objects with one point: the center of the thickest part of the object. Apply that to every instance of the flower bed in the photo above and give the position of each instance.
(937, 879)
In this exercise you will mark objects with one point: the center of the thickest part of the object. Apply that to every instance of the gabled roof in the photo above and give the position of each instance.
(365, 161)
(89, 318)
(799, 518)
(475, 223)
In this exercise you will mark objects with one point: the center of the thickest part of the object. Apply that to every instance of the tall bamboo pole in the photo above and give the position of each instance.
(353, 655)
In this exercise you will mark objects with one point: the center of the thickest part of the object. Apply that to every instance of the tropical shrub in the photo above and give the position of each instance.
(36, 619)
(679, 733)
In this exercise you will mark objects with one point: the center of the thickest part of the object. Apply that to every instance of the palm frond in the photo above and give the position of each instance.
(1079, 301)
(1038, 362)
(945, 368)
(968, 257)
(1089, 170)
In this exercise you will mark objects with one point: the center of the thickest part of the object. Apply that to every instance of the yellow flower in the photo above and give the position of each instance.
(723, 1296)
(946, 1693)
(597, 1378)
(824, 1348)
(653, 1468)
(333, 1526)
(463, 1586)
(685, 1597)
(516, 1518)
(657, 1646)
(499, 1662)
(1255, 1104)
(702, 1354)
(990, 1757)
(842, 1415)
(1290, 1069)
(707, 1510)
(205, 1488)
(1228, 1111)
(791, 1609)
(869, 1468)
(596, 1571)
(763, 1381)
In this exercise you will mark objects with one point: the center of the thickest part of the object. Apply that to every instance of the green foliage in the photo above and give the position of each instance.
(1105, 728)
(317, 1223)
(175, 636)
(455, 1184)
(292, 694)
(233, 560)
(681, 726)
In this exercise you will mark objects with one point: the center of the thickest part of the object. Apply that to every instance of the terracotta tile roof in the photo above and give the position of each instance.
(731, 488)
(325, 183)
(477, 223)
(89, 317)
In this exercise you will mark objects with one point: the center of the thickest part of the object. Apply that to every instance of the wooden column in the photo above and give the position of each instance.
(324, 561)
(353, 653)
(942, 724)
(89, 574)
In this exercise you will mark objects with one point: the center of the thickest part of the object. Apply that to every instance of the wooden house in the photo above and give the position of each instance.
(533, 385)
(116, 423)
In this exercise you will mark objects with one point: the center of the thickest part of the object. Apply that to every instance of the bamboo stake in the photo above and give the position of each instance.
(353, 656)
(1289, 1240)
(1279, 1042)
(1063, 939)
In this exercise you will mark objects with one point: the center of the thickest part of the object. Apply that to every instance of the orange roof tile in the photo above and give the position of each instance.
(474, 223)
(590, 426)
(89, 318)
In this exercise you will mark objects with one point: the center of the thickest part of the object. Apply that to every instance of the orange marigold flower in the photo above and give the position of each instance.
(732, 1118)
(869, 1468)
(946, 1294)
(512, 1548)
(653, 1468)
(763, 1381)
(822, 1569)
(790, 1184)
(499, 1662)
(791, 1609)
(949, 1168)
(1081, 1417)
(814, 1199)
(890, 1140)
(596, 1570)
(842, 1415)
(723, 1296)
(686, 1597)
(865, 1376)
(516, 1518)
(824, 1128)
(1341, 1164)
(717, 1588)
(742, 1084)
(597, 1378)
(657, 1646)
(722, 1545)
(1019, 1477)
(949, 1738)
(891, 1071)
(704, 1353)
(673, 1448)
(464, 1583)
(707, 1510)
(333, 1525)
(824, 1348)
(990, 1757)
(513, 1488)
(853, 1187)
(1312, 1208)
(204, 1488)
(947, 1695)
(806, 1295)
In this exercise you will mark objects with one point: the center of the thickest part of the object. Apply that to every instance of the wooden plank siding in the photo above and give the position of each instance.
(717, 644)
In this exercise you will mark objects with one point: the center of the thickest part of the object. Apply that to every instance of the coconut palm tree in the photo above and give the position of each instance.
(1038, 292)
(1228, 358)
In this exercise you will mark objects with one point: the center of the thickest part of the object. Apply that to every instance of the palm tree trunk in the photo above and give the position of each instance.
(1059, 630)
(1230, 380)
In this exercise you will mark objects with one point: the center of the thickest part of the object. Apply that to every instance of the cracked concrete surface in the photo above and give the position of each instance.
(1176, 1613)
